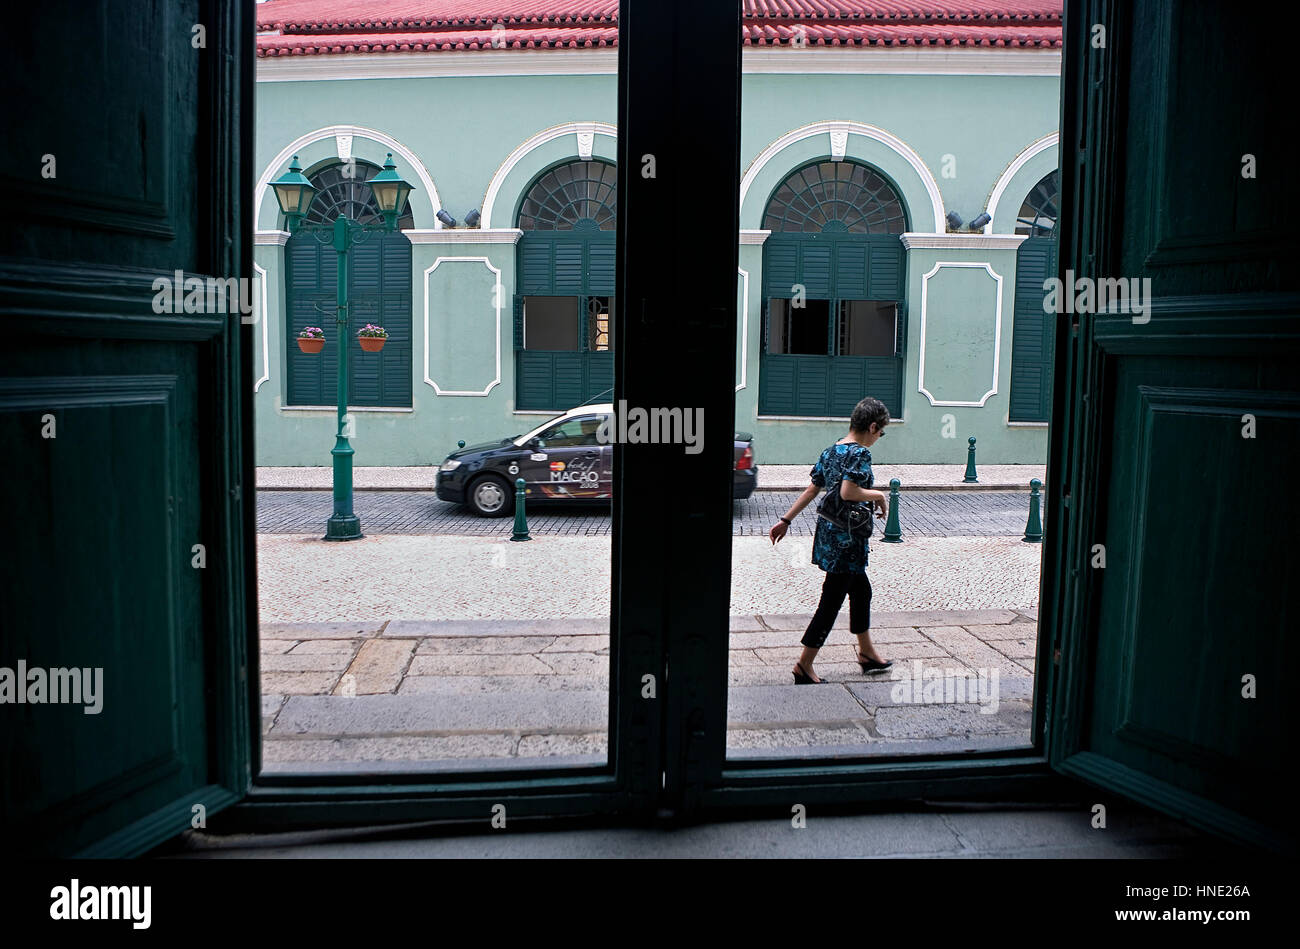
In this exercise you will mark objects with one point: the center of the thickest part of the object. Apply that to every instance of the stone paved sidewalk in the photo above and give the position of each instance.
(404, 576)
(448, 692)
(770, 477)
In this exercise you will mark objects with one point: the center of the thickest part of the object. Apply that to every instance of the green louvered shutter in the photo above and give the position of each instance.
(309, 282)
(380, 292)
(536, 266)
(885, 269)
(1032, 333)
(780, 266)
(600, 271)
(851, 270)
(570, 266)
(815, 268)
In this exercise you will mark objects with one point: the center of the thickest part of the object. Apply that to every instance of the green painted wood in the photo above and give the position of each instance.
(824, 386)
(600, 265)
(834, 264)
(147, 456)
(566, 263)
(1032, 335)
(830, 266)
(379, 282)
(1150, 444)
(556, 381)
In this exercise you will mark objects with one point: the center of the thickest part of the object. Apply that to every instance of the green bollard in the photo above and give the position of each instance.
(970, 464)
(893, 533)
(461, 443)
(1034, 529)
(521, 519)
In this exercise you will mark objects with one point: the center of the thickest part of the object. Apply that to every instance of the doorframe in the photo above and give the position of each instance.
(667, 756)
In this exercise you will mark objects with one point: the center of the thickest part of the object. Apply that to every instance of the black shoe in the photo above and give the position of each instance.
(870, 665)
(802, 678)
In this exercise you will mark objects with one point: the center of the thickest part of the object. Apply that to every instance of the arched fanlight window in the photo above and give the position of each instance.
(580, 195)
(1039, 213)
(836, 196)
(343, 193)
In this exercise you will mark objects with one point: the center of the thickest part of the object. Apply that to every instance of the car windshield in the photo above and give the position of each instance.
(533, 432)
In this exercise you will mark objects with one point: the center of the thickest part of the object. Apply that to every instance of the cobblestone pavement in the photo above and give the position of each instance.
(446, 693)
(925, 513)
(302, 579)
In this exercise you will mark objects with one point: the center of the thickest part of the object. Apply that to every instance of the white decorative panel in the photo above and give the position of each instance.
(463, 305)
(742, 327)
(961, 333)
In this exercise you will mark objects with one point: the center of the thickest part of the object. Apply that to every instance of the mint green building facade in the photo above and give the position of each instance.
(964, 131)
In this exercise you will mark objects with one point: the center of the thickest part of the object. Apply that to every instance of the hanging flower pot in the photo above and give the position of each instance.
(372, 337)
(311, 339)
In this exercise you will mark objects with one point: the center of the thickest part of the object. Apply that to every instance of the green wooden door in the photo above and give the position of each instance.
(577, 263)
(379, 291)
(1179, 428)
(831, 266)
(127, 485)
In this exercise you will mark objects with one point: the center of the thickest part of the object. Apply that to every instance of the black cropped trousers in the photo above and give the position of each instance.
(857, 588)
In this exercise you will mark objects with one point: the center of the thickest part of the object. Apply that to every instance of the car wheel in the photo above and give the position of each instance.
(490, 496)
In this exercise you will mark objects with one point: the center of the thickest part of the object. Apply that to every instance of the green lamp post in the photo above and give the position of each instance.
(295, 192)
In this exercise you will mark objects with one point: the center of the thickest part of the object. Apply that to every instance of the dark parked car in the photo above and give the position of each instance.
(562, 459)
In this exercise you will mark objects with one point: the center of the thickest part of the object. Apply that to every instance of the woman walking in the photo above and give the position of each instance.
(846, 467)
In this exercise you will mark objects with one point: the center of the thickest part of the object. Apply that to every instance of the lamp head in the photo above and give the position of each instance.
(294, 193)
(390, 192)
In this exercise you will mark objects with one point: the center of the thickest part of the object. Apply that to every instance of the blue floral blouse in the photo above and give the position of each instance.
(835, 550)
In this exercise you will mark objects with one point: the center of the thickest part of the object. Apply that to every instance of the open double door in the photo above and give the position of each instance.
(1162, 673)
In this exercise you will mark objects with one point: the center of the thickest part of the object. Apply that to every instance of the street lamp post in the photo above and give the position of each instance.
(295, 192)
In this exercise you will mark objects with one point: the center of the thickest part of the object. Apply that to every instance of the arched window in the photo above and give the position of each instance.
(836, 195)
(564, 307)
(379, 291)
(1033, 332)
(340, 190)
(833, 279)
(1038, 214)
(577, 196)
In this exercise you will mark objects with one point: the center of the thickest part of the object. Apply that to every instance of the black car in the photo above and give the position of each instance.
(561, 460)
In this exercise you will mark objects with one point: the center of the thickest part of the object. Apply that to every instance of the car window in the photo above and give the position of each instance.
(572, 432)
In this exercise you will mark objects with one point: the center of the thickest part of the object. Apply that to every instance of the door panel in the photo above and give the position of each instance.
(1176, 608)
(126, 498)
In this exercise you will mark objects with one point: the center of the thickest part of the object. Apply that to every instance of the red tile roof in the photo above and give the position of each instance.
(311, 27)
